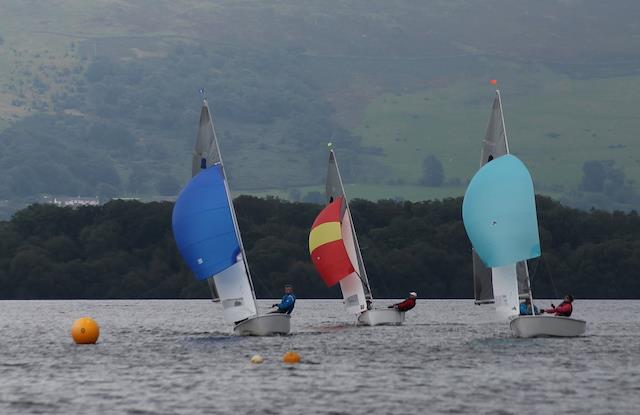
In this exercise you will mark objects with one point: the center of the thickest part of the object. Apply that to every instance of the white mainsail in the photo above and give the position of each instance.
(505, 290)
(352, 286)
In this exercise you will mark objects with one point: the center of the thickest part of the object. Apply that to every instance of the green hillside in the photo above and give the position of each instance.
(100, 98)
(554, 127)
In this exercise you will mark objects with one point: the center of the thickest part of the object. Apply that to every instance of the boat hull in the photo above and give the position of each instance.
(547, 326)
(381, 316)
(265, 325)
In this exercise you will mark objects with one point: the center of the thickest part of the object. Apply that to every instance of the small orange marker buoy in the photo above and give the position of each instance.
(493, 81)
(85, 330)
(291, 357)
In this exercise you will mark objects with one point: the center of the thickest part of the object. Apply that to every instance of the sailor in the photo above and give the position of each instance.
(288, 301)
(564, 309)
(525, 308)
(407, 304)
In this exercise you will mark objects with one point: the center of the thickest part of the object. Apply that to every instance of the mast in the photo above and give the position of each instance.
(504, 127)
(526, 270)
(363, 275)
(232, 209)
(495, 144)
(506, 143)
(214, 291)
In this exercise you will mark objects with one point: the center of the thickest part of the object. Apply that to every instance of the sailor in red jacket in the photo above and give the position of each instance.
(407, 304)
(564, 309)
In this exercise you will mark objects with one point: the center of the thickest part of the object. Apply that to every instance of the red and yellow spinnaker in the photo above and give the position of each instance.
(326, 246)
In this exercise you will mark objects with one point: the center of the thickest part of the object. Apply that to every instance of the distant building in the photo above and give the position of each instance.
(72, 201)
(163, 198)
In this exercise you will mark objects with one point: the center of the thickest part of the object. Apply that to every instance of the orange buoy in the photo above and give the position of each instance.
(493, 81)
(85, 330)
(291, 357)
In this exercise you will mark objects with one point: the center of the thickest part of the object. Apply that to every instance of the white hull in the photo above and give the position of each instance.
(547, 326)
(266, 325)
(381, 316)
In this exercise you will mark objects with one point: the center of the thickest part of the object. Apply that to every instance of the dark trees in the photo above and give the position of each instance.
(126, 250)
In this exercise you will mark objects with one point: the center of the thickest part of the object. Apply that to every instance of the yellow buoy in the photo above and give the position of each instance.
(85, 330)
(291, 357)
(257, 359)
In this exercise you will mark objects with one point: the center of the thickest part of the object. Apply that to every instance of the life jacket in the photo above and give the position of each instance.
(407, 304)
(287, 303)
(565, 309)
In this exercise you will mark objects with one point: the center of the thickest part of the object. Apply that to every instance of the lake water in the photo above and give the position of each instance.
(177, 356)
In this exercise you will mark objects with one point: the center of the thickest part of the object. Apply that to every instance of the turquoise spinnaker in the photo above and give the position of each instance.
(499, 213)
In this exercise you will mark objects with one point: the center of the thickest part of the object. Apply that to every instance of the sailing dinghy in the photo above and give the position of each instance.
(335, 252)
(208, 238)
(499, 215)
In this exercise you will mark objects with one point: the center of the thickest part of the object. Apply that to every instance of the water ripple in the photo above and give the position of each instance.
(178, 357)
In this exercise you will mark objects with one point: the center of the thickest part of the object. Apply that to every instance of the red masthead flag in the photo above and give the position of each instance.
(326, 246)
(493, 82)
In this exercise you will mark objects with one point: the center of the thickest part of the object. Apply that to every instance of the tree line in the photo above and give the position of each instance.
(125, 249)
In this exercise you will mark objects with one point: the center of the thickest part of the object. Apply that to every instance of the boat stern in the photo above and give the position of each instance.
(265, 325)
(381, 316)
(547, 326)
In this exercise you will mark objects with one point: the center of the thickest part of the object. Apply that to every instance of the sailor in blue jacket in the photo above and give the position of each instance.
(525, 308)
(288, 301)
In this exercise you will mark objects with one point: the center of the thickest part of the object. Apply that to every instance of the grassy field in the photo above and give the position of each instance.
(554, 126)
(409, 78)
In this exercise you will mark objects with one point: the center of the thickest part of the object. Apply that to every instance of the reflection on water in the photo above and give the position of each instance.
(179, 357)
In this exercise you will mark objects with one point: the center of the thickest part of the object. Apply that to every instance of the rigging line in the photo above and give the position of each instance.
(263, 286)
(364, 284)
(553, 285)
(535, 271)
(381, 281)
(266, 289)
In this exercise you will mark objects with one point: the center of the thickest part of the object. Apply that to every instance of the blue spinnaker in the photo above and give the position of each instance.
(202, 225)
(499, 213)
